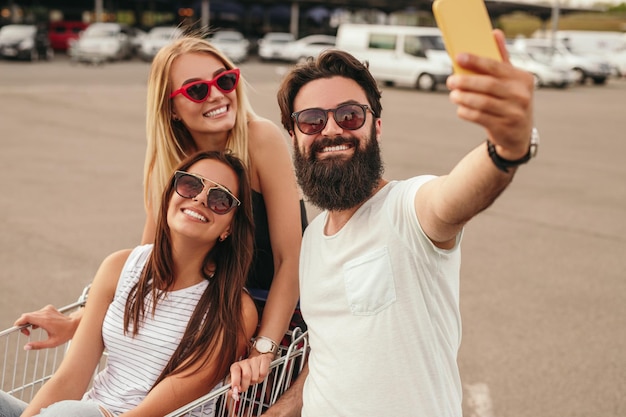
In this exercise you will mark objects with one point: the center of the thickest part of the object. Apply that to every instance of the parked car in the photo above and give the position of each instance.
(27, 42)
(232, 43)
(103, 42)
(156, 39)
(399, 55)
(308, 46)
(545, 75)
(272, 45)
(136, 39)
(617, 58)
(61, 33)
(586, 67)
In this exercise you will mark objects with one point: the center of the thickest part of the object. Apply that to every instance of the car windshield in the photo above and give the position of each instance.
(228, 37)
(9, 32)
(433, 42)
(164, 33)
(279, 38)
(100, 32)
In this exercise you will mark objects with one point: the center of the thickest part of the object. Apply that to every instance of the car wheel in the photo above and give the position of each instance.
(426, 82)
(579, 77)
(599, 80)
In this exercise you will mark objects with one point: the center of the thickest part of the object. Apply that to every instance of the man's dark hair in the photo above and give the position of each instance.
(330, 63)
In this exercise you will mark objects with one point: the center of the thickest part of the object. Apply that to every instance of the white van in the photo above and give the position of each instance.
(398, 55)
(586, 67)
(587, 41)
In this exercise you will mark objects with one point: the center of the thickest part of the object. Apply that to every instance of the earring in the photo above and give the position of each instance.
(223, 238)
(176, 118)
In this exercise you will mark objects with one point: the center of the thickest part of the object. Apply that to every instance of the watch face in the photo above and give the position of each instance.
(263, 346)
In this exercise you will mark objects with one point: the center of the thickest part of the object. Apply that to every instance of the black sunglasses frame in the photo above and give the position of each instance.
(364, 107)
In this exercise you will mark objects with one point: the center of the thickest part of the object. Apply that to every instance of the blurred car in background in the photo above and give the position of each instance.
(61, 33)
(617, 59)
(232, 43)
(136, 39)
(103, 42)
(156, 39)
(411, 56)
(26, 42)
(544, 75)
(272, 45)
(308, 46)
(586, 67)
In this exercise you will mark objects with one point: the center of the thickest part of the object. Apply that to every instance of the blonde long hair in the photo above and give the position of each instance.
(169, 143)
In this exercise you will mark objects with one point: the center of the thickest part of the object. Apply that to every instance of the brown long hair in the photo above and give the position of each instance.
(216, 324)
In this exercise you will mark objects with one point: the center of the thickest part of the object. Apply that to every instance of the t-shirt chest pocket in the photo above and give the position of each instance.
(369, 283)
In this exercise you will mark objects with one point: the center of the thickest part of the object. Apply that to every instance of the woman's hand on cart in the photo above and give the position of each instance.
(59, 327)
(249, 371)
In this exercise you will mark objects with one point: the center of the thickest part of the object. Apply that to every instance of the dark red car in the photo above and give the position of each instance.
(60, 33)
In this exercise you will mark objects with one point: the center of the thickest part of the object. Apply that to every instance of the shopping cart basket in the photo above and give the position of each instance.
(259, 397)
(24, 372)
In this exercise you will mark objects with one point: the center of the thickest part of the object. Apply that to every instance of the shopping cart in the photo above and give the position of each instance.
(24, 372)
(259, 397)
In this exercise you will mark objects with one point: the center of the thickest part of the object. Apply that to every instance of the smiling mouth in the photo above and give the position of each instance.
(216, 112)
(195, 215)
(336, 148)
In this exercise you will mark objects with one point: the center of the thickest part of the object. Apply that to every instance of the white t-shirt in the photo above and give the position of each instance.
(382, 307)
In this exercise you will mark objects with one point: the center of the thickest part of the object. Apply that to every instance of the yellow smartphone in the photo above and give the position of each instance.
(466, 27)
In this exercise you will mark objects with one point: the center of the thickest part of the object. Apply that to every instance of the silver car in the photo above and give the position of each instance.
(232, 43)
(308, 46)
(273, 45)
(156, 39)
(103, 42)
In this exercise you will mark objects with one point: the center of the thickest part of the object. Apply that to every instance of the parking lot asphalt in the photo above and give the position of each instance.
(543, 293)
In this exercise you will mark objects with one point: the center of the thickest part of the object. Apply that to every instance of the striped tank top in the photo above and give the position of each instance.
(134, 363)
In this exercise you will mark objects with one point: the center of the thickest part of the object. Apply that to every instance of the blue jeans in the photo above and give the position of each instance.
(12, 407)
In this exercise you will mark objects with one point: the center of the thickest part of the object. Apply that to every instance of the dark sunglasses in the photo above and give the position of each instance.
(348, 116)
(198, 91)
(219, 199)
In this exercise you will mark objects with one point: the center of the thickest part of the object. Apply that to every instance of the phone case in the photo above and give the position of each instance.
(466, 27)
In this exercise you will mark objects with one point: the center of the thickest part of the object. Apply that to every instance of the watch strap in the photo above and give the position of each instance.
(504, 164)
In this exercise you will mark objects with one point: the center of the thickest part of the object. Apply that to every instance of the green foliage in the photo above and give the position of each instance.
(522, 24)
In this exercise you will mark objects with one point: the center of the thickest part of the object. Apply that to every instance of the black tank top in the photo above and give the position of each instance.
(262, 270)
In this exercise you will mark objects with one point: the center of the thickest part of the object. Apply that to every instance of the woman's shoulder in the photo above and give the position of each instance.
(118, 258)
(116, 261)
(263, 132)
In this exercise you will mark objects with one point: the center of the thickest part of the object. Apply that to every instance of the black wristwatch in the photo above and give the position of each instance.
(504, 164)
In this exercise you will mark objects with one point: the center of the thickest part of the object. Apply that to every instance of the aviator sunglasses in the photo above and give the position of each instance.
(198, 91)
(349, 116)
(219, 200)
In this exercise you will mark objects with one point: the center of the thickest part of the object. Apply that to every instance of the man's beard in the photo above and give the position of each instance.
(336, 183)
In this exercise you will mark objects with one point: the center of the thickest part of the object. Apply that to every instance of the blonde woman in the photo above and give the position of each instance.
(197, 102)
